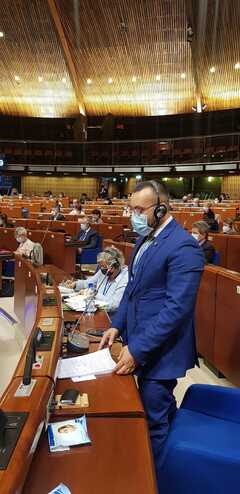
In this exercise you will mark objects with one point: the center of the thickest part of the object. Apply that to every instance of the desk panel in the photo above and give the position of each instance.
(118, 461)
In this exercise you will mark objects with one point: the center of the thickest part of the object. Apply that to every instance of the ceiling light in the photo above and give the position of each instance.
(183, 75)
(138, 177)
(40, 78)
(110, 80)
(237, 65)
(17, 78)
(114, 179)
(180, 179)
(158, 77)
(64, 80)
(1, 34)
(210, 179)
(212, 70)
(165, 179)
(134, 79)
(89, 81)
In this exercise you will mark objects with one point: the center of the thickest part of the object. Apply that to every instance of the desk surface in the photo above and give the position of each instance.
(108, 395)
(118, 461)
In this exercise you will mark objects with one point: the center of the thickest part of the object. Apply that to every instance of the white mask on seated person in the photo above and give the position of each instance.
(196, 236)
(226, 228)
(84, 227)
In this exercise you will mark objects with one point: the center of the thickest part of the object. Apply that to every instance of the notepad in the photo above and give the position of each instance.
(100, 362)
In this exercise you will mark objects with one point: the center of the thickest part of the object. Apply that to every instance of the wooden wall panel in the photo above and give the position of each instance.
(231, 185)
(71, 186)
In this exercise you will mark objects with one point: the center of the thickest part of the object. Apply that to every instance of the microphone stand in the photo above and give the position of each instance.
(83, 339)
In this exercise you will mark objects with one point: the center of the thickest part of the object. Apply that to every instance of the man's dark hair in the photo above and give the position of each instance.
(97, 211)
(159, 188)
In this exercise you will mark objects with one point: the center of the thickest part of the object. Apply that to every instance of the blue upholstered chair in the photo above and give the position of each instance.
(202, 452)
(89, 256)
(216, 259)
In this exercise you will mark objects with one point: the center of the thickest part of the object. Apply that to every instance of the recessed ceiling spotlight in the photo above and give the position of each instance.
(110, 81)
(17, 78)
(212, 70)
(158, 77)
(1, 34)
(183, 75)
(134, 78)
(237, 65)
(40, 78)
(89, 81)
(64, 80)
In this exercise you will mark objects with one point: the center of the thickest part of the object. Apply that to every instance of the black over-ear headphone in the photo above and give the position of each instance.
(161, 209)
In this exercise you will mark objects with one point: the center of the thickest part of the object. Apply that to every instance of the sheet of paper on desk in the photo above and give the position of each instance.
(99, 362)
(89, 377)
(77, 303)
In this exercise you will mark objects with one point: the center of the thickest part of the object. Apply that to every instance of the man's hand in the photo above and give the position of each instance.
(108, 338)
(126, 363)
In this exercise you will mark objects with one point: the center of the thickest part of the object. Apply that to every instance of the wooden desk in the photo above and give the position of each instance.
(118, 461)
(120, 451)
(12, 479)
(109, 395)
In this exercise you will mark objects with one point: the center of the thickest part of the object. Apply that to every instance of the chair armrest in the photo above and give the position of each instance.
(217, 401)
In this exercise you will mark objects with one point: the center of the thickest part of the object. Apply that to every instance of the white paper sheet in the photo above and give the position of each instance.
(77, 379)
(99, 362)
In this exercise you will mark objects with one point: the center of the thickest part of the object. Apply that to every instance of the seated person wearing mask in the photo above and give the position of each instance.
(87, 234)
(210, 219)
(77, 208)
(25, 244)
(228, 227)
(4, 221)
(200, 231)
(110, 280)
(56, 214)
(96, 217)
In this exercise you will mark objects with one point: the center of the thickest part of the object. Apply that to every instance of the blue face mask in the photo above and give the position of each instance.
(140, 224)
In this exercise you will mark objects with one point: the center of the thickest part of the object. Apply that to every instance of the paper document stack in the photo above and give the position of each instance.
(62, 435)
(95, 363)
(77, 303)
(65, 290)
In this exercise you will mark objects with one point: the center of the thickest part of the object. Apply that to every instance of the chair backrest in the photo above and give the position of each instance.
(216, 259)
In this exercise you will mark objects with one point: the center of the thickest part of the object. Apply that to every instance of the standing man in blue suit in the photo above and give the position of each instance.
(156, 314)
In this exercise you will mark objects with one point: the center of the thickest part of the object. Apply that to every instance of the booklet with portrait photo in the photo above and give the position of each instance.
(73, 432)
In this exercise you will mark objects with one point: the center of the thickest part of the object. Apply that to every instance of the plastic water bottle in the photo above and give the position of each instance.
(90, 303)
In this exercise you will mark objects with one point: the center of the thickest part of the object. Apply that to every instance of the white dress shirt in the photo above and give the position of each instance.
(25, 248)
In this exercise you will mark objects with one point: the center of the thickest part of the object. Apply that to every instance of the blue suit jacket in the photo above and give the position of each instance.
(156, 314)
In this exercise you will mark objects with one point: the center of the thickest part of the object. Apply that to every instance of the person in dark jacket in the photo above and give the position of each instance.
(210, 219)
(86, 234)
(200, 231)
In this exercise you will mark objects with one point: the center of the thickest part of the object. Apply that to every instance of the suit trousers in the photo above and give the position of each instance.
(160, 407)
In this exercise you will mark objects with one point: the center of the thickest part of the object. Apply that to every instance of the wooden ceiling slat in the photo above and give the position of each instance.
(118, 39)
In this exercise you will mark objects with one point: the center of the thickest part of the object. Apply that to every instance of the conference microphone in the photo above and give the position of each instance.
(77, 342)
(31, 356)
